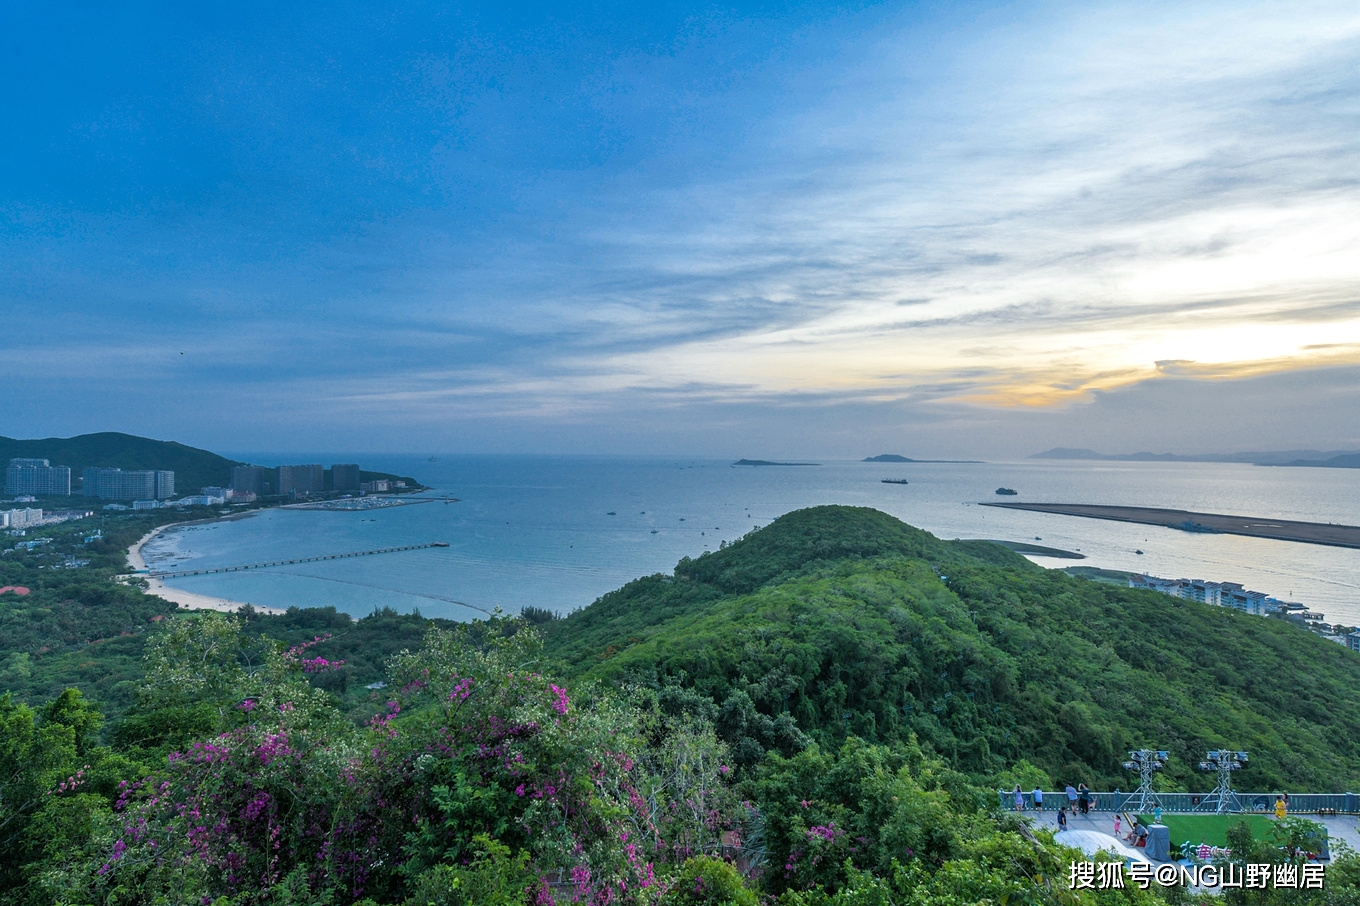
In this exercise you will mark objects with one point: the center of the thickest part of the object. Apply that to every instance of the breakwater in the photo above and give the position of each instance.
(1335, 535)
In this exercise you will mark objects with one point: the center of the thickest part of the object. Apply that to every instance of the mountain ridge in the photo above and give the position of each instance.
(1260, 458)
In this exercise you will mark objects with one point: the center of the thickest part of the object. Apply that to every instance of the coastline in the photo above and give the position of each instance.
(187, 599)
(1331, 534)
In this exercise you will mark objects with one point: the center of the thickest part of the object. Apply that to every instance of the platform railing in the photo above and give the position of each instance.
(1251, 802)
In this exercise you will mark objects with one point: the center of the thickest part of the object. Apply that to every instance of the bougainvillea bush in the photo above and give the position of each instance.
(477, 763)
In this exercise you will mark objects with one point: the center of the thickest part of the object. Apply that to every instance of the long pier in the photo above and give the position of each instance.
(1189, 521)
(268, 563)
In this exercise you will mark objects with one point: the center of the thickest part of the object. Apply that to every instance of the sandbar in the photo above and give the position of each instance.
(1335, 535)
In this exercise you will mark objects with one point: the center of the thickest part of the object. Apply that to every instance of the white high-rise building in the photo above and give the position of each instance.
(37, 477)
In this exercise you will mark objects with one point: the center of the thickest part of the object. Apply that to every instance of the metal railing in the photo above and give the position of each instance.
(1264, 803)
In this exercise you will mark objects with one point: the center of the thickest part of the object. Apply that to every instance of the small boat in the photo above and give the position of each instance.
(1007, 492)
(654, 531)
(1137, 552)
(611, 513)
(895, 481)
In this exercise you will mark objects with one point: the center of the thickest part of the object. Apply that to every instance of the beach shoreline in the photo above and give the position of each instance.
(187, 599)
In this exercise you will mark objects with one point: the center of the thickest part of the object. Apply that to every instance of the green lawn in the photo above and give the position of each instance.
(1210, 829)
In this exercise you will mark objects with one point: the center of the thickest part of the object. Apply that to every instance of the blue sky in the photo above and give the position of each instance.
(767, 230)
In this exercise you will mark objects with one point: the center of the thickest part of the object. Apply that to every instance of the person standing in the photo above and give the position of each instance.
(1071, 798)
(1084, 792)
(1280, 808)
(1157, 814)
(1038, 799)
(1116, 825)
(1062, 819)
(1019, 799)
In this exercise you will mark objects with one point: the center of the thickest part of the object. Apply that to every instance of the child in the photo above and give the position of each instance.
(1157, 815)
(1116, 825)
(1062, 819)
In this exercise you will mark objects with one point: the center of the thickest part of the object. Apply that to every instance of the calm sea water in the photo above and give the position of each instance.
(537, 530)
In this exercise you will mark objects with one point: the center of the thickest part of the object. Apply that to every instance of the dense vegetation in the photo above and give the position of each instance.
(852, 623)
(816, 714)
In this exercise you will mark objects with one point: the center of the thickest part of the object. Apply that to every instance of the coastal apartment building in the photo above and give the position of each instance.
(297, 481)
(134, 484)
(255, 480)
(20, 518)
(37, 477)
(1220, 594)
(294, 481)
(345, 476)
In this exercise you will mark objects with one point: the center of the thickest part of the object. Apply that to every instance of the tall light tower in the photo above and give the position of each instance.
(1146, 762)
(1223, 763)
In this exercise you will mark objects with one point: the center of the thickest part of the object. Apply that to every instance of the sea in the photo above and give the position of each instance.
(557, 532)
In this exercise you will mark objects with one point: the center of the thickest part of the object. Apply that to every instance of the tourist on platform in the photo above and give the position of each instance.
(1062, 819)
(1280, 808)
(1084, 792)
(1019, 799)
(1072, 798)
(1038, 799)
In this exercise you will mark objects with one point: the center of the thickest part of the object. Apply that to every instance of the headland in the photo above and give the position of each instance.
(1335, 535)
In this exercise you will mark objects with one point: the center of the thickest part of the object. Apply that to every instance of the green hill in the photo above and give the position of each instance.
(845, 621)
(193, 468)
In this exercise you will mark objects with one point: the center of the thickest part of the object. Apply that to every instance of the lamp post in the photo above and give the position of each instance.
(1146, 762)
(1223, 762)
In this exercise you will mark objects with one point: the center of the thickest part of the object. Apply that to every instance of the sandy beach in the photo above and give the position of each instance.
(186, 599)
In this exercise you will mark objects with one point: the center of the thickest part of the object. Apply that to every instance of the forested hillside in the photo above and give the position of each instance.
(193, 468)
(846, 622)
(817, 715)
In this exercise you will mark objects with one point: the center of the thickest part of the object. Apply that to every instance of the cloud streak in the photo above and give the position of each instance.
(978, 207)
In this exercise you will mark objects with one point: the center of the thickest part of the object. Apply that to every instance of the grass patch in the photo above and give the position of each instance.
(1211, 829)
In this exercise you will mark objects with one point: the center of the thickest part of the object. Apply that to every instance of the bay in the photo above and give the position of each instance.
(537, 530)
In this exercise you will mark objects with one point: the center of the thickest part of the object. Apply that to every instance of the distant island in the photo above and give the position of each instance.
(1342, 461)
(766, 462)
(893, 457)
(1337, 459)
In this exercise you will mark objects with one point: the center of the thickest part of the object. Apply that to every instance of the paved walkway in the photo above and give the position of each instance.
(1344, 828)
